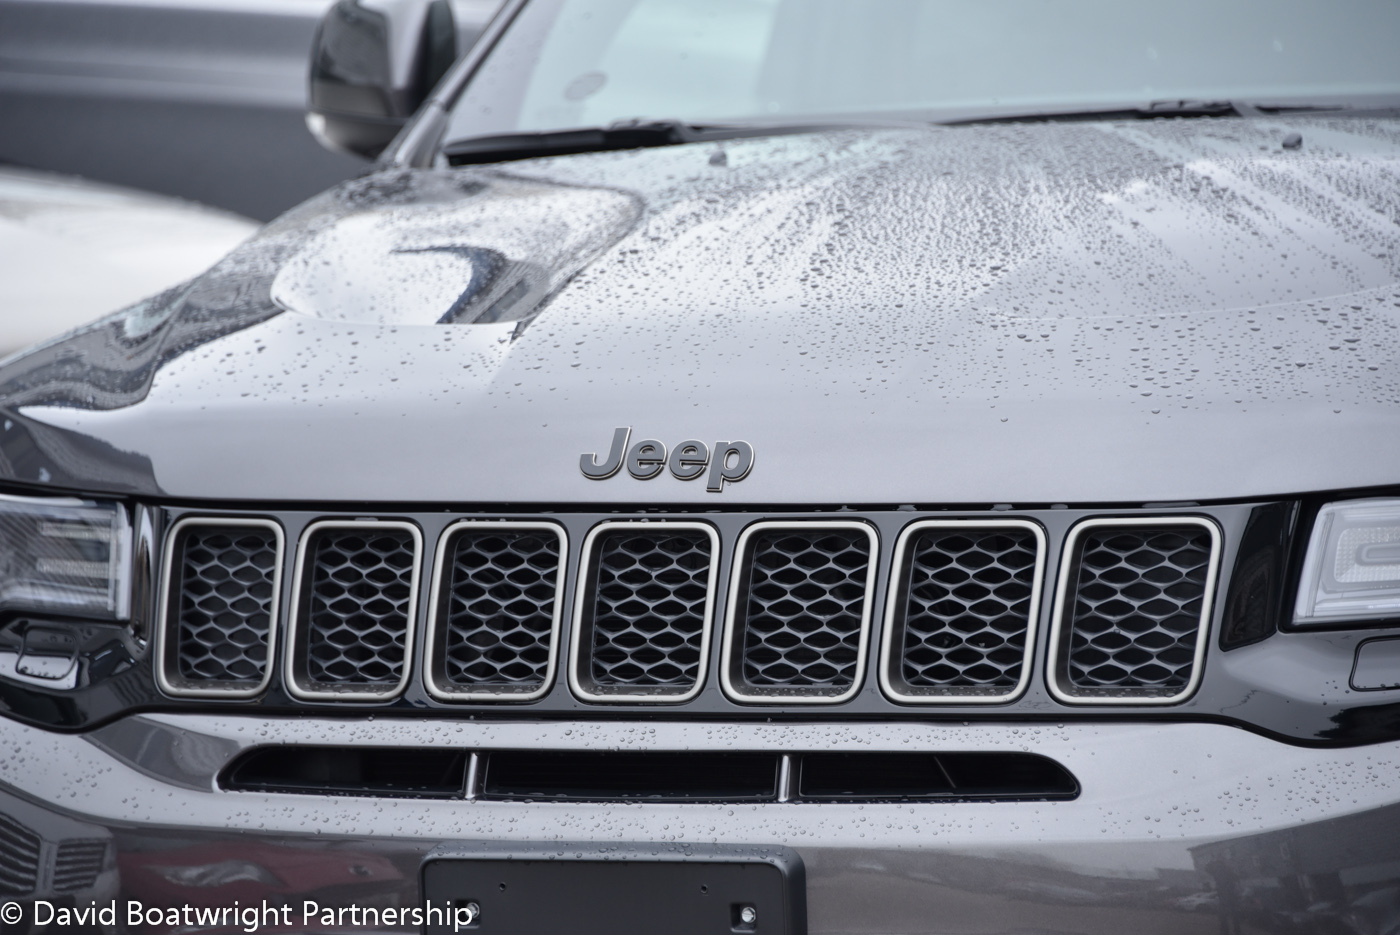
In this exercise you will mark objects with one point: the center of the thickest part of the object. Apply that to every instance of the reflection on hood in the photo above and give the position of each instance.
(496, 256)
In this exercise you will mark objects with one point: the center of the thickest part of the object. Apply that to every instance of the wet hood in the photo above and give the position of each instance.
(1079, 313)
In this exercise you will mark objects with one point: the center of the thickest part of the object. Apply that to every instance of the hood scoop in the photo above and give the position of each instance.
(497, 256)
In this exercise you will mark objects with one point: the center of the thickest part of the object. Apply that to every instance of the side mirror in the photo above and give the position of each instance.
(373, 62)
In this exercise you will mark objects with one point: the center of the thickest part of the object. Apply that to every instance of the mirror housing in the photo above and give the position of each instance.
(373, 62)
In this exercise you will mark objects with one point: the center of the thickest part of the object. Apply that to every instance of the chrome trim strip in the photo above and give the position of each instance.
(446, 691)
(294, 684)
(1062, 586)
(892, 600)
(581, 591)
(170, 682)
(736, 581)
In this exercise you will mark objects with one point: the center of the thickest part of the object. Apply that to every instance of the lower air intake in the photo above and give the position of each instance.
(496, 611)
(221, 601)
(800, 612)
(19, 858)
(77, 864)
(356, 595)
(643, 622)
(1133, 610)
(962, 611)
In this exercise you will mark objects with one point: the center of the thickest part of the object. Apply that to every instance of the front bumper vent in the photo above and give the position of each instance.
(962, 612)
(222, 582)
(1132, 609)
(494, 623)
(19, 858)
(644, 610)
(799, 613)
(356, 593)
(77, 864)
(651, 776)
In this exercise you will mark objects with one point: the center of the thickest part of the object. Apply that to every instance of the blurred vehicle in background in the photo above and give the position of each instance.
(199, 99)
(72, 250)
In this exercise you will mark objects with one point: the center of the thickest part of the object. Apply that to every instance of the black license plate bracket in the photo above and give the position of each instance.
(591, 890)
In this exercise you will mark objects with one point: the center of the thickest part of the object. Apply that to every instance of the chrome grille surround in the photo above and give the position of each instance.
(581, 683)
(893, 648)
(1067, 592)
(167, 637)
(296, 672)
(437, 638)
(737, 616)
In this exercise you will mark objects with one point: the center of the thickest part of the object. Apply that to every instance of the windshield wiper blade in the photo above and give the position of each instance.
(1151, 110)
(626, 134)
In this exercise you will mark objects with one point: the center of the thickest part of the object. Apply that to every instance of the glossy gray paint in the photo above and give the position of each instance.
(1162, 806)
(1165, 310)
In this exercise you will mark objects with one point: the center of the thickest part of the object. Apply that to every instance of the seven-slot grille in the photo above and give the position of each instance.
(799, 614)
(1132, 607)
(77, 864)
(1132, 603)
(642, 621)
(352, 626)
(223, 580)
(960, 621)
(494, 623)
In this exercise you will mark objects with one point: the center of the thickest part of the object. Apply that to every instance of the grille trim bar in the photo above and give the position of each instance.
(450, 694)
(581, 589)
(888, 660)
(166, 648)
(733, 689)
(1064, 595)
(295, 682)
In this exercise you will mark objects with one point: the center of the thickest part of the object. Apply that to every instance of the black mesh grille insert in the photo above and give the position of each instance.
(966, 610)
(498, 605)
(1136, 609)
(358, 606)
(645, 610)
(801, 620)
(19, 857)
(222, 603)
(77, 865)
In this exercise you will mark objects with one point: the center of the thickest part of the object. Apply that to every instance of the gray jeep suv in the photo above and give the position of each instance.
(756, 466)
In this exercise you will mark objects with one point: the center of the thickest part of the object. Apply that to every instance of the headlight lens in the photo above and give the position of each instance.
(64, 555)
(1352, 569)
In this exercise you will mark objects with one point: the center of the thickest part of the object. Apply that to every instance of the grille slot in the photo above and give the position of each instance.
(413, 773)
(1132, 609)
(799, 612)
(877, 777)
(581, 776)
(356, 595)
(19, 858)
(644, 610)
(962, 611)
(496, 609)
(223, 579)
(77, 864)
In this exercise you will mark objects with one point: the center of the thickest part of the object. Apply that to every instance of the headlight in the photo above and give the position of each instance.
(1352, 569)
(66, 556)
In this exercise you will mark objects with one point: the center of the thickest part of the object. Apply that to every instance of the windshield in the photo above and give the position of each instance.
(577, 63)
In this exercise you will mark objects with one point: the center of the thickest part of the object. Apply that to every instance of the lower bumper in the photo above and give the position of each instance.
(1178, 828)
